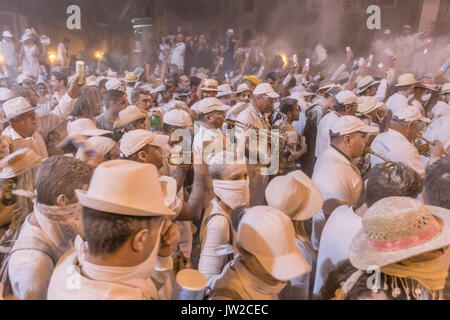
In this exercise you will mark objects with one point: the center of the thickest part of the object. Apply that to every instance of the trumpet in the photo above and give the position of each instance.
(384, 158)
(429, 143)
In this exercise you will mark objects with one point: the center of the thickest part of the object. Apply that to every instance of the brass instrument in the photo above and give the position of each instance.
(384, 158)
(429, 143)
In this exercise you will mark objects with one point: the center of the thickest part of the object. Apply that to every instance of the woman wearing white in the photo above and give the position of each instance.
(30, 53)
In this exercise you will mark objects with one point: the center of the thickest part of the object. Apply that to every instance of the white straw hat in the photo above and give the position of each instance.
(113, 84)
(266, 89)
(128, 115)
(269, 235)
(15, 107)
(367, 104)
(300, 199)
(135, 140)
(408, 114)
(365, 83)
(406, 79)
(445, 88)
(18, 162)
(397, 228)
(127, 188)
(243, 87)
(224, 90)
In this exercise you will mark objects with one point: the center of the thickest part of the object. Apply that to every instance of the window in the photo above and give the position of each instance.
(248, 5)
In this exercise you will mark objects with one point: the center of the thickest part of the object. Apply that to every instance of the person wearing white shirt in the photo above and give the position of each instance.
(443, 104)
(49, 231)
(346, 104)
(25, 128)
(177, 54)
(335, 174)
(397, 143)
(405, 87)
(210, 137)
(253, 117)
(128, 238)
(439, 129)
(384, 180)
(8, 50)
(231, 189)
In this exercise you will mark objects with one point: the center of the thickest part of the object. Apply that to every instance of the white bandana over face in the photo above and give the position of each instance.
(234, 193)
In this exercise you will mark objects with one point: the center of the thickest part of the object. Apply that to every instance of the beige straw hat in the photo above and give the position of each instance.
(18, 162)
(397, 228)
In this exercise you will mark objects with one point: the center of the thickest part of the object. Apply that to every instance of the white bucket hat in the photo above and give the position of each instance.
(269, 235)
(224, 90)
(397, 228)
(178, 118)
(349, 124)
(84, 127)
(406, 79)
(128, 115)
(135, 140)
(18, 162)
(15, 107)
(127, 188)
(300, 199)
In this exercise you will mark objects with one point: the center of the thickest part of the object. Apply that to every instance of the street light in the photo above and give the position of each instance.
(51, 57)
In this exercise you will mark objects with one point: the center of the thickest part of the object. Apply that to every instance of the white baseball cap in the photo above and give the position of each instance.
(177, 117)
(135, 140)
(408, 114)
(265, 88)
(113, 84)
(269, 235)
(346, 97)
(349, 124)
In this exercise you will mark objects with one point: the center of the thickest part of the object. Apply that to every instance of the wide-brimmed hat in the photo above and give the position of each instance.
(427, 83)
(18, 162)
(224, 90)
(113, 84)
(128, 115)
(367, 104)
(27, 35)
(84, 127)
(15, 107)
(300, 199)
(407, 113)
(445, 88)
(91, 80)
(346, 97)
(269, 235)
(6, 94)
(364, 83)
(125, 187)
(210, 85)
(397, 228)
(130, 77)
(406, 79)
(135, 140)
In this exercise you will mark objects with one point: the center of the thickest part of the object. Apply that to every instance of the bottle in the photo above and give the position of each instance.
(8, 198)
(155, 122)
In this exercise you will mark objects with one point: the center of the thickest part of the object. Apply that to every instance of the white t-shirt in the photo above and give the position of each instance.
(439, 108)
(337, 234)
(337, 178)
(394, 146)
(177, 57)
(396, 100)
(323, 131)
(439, 129)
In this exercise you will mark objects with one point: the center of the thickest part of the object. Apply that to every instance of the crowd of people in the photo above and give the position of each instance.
(268, 180)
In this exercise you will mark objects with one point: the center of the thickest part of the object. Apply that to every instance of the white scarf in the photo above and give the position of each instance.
(136, 276)
(60, 224)
(234, 193)
(254, 287)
